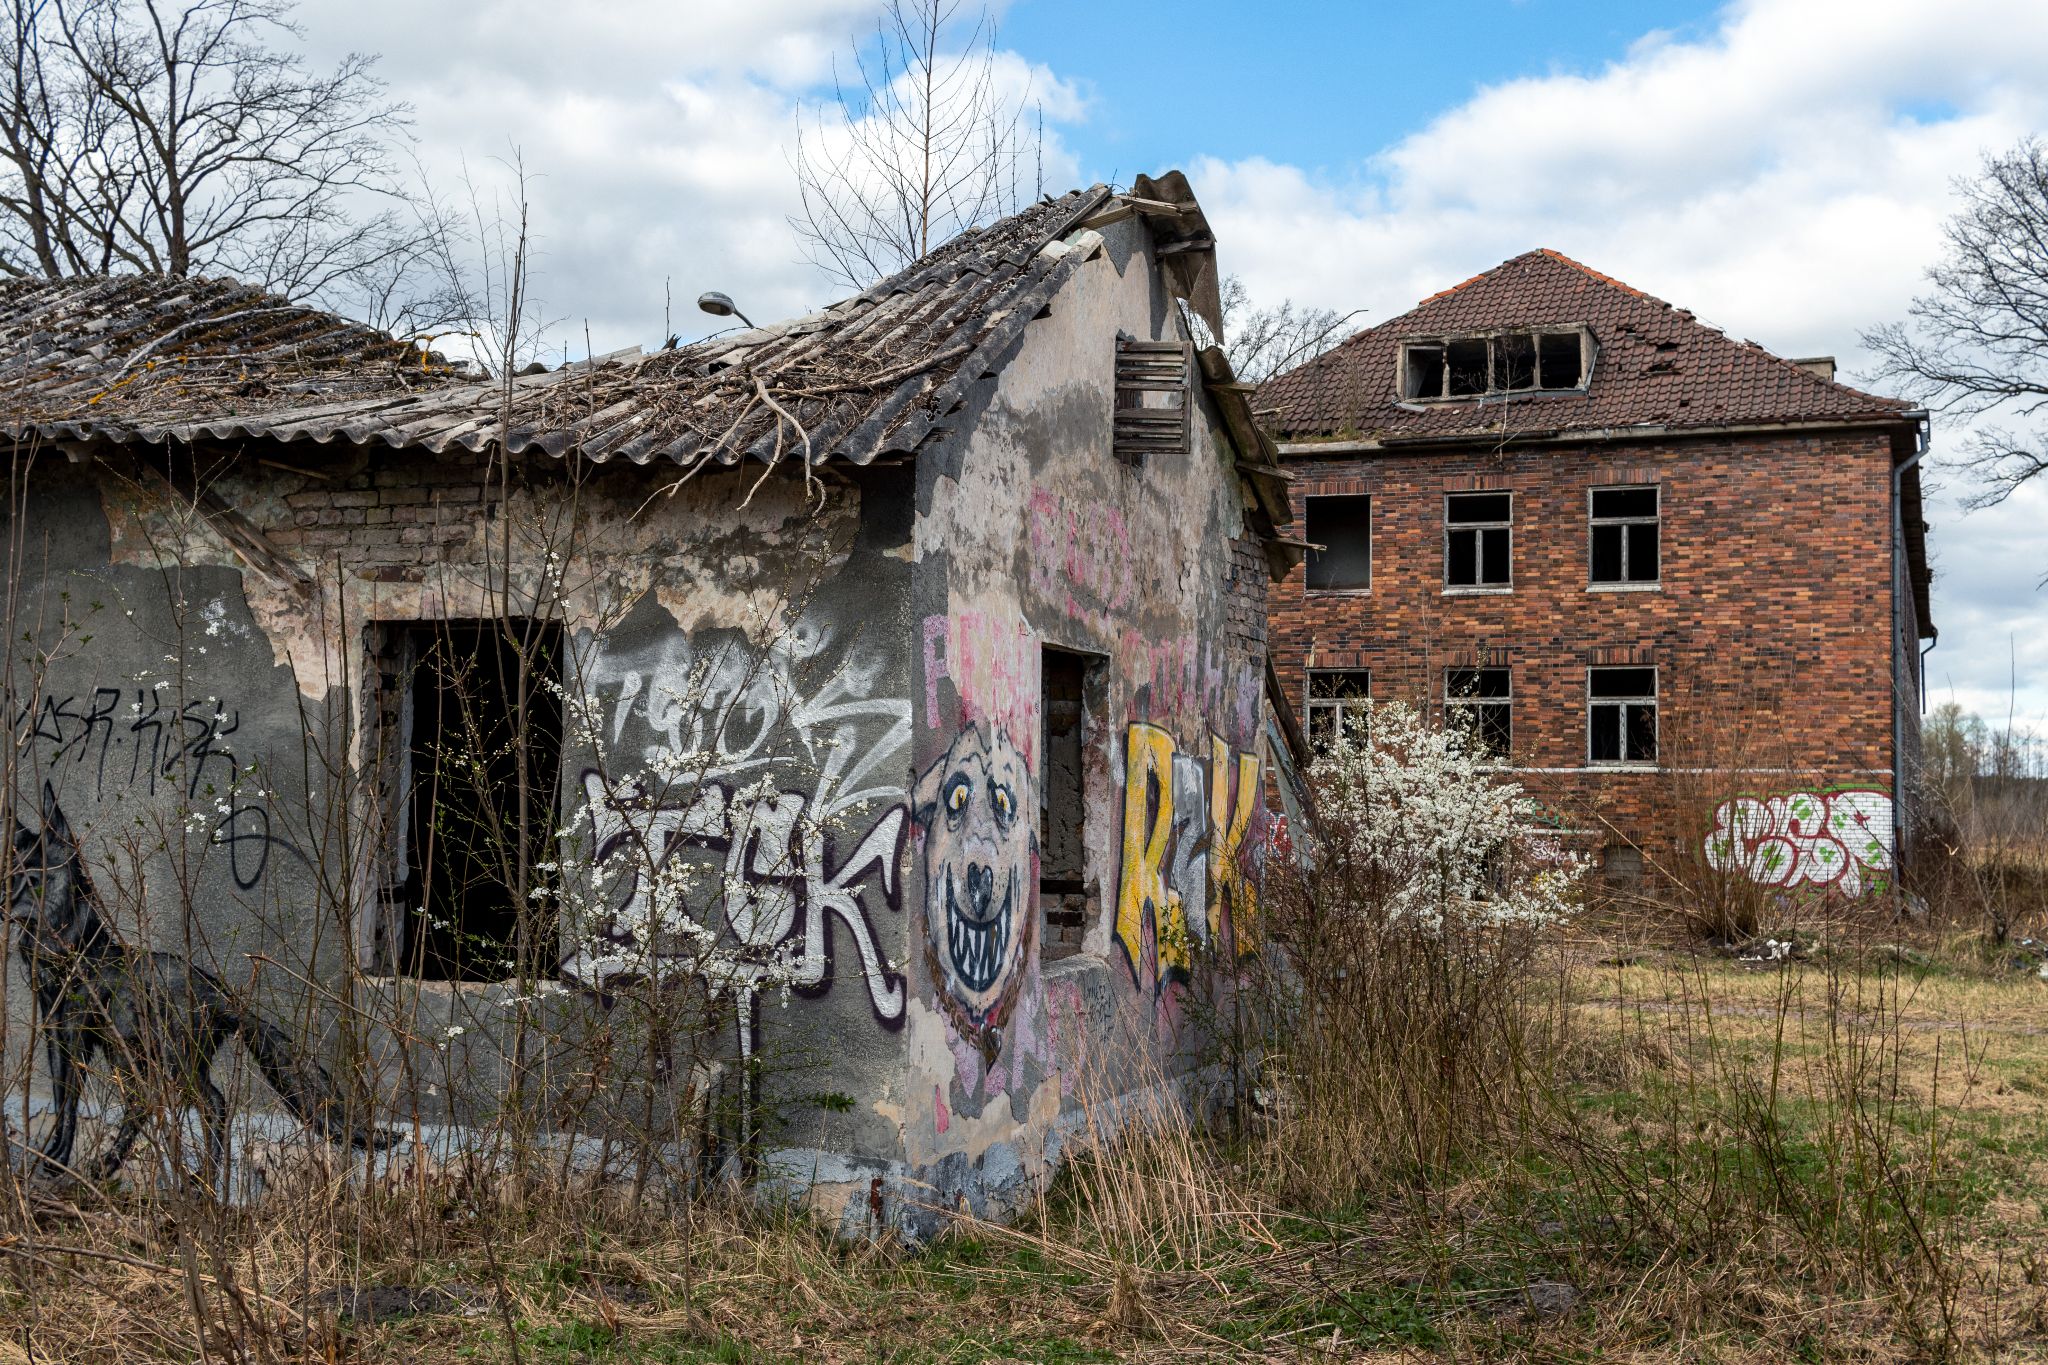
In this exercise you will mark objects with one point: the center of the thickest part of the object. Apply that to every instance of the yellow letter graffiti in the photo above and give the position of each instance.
(1143, 911)
(1231, 895)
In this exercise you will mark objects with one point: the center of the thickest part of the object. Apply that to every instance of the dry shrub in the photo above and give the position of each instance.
(1400, 946)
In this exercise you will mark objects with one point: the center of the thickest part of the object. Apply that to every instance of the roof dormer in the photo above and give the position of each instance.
(1520, 360)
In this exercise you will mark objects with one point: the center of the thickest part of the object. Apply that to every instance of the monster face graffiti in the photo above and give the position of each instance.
(977, 810)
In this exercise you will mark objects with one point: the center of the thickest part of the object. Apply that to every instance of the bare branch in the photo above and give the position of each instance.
(1263, 342)
(1977, 342)
(923, 145)
(177, 139)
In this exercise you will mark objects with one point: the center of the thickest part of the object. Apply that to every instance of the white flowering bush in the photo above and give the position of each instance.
(1401, 940)
(1410, 813)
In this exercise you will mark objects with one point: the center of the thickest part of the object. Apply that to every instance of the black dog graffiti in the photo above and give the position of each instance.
(977, 809)
(156, 1018)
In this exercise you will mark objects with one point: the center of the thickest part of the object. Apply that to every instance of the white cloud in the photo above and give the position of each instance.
(657, 135)
(1785, 177)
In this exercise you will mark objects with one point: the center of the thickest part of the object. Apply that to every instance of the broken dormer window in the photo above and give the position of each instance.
(1152, 400)
(1533, 361)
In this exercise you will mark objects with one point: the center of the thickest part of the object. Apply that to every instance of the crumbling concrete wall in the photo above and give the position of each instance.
(827, 713)
(1032, 534)
(205, 694)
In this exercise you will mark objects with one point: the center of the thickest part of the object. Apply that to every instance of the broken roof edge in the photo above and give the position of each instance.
(1255, 457)
(1292, 446)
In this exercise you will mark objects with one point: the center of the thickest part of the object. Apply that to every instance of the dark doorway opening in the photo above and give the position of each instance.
(1064, 679)
(475, 715)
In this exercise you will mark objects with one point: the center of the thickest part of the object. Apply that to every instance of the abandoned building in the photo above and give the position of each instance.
(1676, 585)
(897, 674)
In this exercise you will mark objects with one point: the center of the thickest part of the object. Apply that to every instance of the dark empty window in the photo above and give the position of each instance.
(1424, 377)
(1062, 807)
(1343, 527)
(1514, 356)
(1621, 715)
(1479, 702)
(1558, 360)
(1478, 531)
(1338, 702)
(1468, 363)
(483, 760)
(1505, 362)
(1624, 530)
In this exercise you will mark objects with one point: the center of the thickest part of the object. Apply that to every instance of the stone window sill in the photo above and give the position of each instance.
(1624, 587)
(1491, 590)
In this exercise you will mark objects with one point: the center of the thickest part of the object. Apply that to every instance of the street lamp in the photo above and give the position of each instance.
(721, 306)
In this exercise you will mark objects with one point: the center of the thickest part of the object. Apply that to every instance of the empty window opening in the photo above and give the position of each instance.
(1515, 354)
(1152, 400)
(1504, 362)
(1063, 808)
(1625, 530)
(1479, 703)
(1343, 527)
(1424, 372)
(483, 733)
(1558, 360)
(1478, 540)
(1468, 363)
(1339, 705)
(1621, 719)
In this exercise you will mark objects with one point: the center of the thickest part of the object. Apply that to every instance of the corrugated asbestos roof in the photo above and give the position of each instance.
(148, 359)
(1655, 366)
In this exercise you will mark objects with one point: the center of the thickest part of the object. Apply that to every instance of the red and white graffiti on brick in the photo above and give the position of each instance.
(1840, 839)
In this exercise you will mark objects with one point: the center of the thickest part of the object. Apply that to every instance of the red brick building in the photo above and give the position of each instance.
(1678, 584)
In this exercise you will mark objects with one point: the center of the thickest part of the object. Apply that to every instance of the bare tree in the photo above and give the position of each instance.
(173, 138)
(924, 145)
(1263, 342)
(1977, 342)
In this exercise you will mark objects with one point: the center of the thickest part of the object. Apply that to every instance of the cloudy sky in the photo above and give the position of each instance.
(1781, 167)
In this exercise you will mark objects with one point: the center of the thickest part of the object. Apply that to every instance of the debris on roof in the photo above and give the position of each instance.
(1654, 365)
(154, 360)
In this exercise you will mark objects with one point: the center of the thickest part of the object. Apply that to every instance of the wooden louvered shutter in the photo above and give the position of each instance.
(1152, 400)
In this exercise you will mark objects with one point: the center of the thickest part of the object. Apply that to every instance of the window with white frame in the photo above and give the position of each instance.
(1338, 702)
(1621, 714)
(1478, 540)
(1543, 360)
(1625, 527)
(1479, 702)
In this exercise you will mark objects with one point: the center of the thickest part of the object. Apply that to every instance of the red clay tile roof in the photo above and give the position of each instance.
(1655, 366)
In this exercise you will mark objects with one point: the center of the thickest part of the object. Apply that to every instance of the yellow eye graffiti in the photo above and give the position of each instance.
(1003, 802)
(957, 798)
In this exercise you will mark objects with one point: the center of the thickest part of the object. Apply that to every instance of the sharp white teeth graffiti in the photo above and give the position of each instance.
(978, 935)
(978, 810)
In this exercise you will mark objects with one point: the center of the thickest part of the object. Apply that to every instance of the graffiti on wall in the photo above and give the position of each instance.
(755, 800)
(978, 813)
(1839, 839)
(153, 1020)
(1081, 555)
(1184, 883)
(992, 663)
(145, 742)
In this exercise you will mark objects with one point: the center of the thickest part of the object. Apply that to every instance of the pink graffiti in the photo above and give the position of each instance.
(993, 664)
(1837, 839)
(1080, 551)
